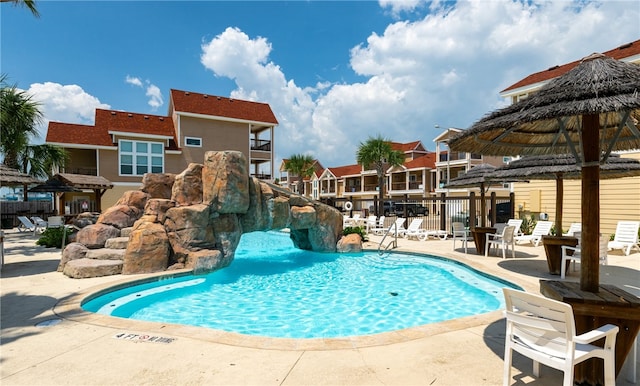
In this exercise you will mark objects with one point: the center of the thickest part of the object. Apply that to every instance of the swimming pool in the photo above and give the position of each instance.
(273, 289)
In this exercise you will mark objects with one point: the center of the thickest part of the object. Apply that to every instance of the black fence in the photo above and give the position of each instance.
(437, 213)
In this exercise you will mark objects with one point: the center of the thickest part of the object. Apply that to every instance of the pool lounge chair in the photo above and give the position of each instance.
(626, 237)
(544, 330)
(26, 225)
(573, 228)
(542, 228)
(397, 228)
(379, 229)
(414, 230)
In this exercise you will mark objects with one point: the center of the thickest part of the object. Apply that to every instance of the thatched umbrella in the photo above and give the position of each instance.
(54, 185)
(559, 167)
(477, 176)
(589, 112)
(13, 177)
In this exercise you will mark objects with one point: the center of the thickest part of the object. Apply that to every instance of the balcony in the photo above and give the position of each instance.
(260, 145)
(83, 171)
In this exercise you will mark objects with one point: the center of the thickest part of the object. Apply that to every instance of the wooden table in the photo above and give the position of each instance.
(592, 310)
(480, 238)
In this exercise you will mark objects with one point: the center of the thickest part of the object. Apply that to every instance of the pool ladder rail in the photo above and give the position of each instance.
(393, 243)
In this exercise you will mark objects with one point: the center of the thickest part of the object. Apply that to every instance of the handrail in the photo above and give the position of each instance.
(394, 242)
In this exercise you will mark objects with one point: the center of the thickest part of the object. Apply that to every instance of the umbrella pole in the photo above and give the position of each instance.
(559, 203)
(589, 262)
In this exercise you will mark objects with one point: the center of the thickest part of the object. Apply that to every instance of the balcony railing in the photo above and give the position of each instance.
(261, 144)
(83, 171)
(262, 176)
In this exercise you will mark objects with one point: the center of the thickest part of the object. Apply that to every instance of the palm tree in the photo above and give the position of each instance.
(302, 166)
(19, 117)
(377, 153)
(31, 4)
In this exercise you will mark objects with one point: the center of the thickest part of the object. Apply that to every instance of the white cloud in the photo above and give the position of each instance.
(64, 103)
(446, 68)
(152, 91)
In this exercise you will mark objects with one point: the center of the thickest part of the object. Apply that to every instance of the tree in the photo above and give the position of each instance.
(302, 166)
(19, 117)
(31, 4)
(378, 154)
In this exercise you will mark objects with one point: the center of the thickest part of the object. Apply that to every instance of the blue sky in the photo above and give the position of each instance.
(334, 73)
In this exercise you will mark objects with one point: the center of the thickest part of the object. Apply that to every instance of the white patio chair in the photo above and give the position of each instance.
(516, 222)
(626, 237)
(544, 330)
(55, 221)
(379, 229)
(414, 230)
(502, 240)
(573, 228)
(397, 228)
(459, 232)
(603, 251)
(41, 224)
(370, 223)
(542, 228)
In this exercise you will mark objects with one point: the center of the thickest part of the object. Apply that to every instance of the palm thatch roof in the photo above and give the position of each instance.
(54, 185)
(556, 166)
(550, 121)
(82, 181)
(11, 176)
(477, 176)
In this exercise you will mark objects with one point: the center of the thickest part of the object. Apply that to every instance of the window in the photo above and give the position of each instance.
(138, 158)
(193, 142)
(506, 160)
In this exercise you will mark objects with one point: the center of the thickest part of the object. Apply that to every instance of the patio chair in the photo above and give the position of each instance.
(603, 251)
(370, 223)
(55, 222)
(26, 225)
(379, 229)
(414, 230)
(573, 228)
(517, 223)
(397, 228)
(544, 330)
(459, 232)
(542, 228)
(502, 240)
(626, 237)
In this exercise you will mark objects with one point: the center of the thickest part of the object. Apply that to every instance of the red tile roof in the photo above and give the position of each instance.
(122, 121)
(346, 170)
(187, 101)
(426, 161)
(405, 147)
(71, 133)
(624, 51)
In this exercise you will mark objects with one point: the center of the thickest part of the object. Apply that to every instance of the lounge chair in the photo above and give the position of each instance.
(370, 223)
(39, 222)
(414, 230)
(397, 228)
(379, 229)
(26, 225)
(573, 228)
(603, 251)
(459, 232)
(502, 240)
(437, 233)
(542, 228)
(517, 223)
(626, 237)
(544, 330)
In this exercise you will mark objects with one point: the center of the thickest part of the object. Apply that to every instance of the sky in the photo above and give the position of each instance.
(335, 73)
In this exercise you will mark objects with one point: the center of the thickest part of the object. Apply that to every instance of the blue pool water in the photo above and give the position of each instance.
(273, 289)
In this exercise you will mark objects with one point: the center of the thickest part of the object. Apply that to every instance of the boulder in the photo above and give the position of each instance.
(85, 268)
(117, 242)
(105, 254)
(135, 198)
(302, 217)
(148, 249)
(204, 261)
(187, 188)
(225, 182)
(120, 216)
(158, 185)
(157, 207)
(350, 243)
(95, 235)
(72, 251)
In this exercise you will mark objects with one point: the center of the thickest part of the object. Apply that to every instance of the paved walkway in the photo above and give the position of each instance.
(47, 340)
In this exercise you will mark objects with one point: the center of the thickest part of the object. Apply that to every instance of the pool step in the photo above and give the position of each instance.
(85, 268)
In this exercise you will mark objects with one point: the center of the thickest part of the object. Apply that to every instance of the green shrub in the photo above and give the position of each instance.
(52, 237)
(528, 224)
(358, 230)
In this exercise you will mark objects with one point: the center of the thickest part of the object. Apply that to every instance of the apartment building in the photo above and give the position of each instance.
(122, 146)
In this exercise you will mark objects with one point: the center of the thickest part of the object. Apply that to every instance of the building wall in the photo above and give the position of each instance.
(619, 200)
(216, 136)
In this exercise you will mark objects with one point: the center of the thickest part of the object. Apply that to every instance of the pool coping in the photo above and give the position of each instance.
(70, 308)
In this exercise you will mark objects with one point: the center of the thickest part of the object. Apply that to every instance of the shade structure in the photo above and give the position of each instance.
(12, 177)
(54, 185)
(560, 167)
(477, 176)
(589, 112)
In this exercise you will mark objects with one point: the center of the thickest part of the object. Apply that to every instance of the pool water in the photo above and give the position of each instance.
(273, 289)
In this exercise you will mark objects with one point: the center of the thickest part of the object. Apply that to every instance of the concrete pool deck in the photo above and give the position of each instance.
(47, 340)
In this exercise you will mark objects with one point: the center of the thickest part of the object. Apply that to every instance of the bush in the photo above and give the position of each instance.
(52, 237)
(359, 230)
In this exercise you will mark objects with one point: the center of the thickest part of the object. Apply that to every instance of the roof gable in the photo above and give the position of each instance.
(217, 106)
(426, 161)
(621, 52)
(347, 170)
